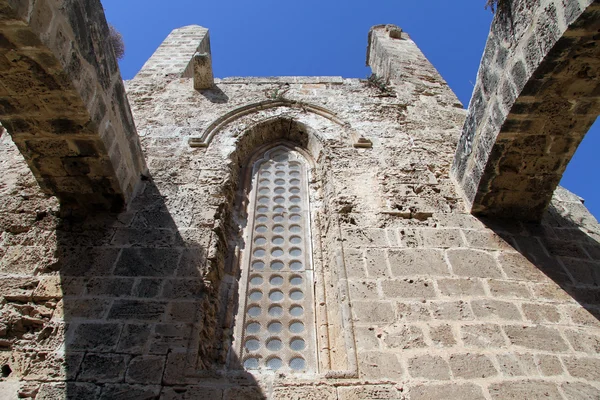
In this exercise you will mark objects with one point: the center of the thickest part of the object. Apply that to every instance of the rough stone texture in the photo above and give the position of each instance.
(535, 98)
(416, 298)
(63, 102)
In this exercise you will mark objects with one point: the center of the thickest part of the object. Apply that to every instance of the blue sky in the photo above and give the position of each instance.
(274, 38)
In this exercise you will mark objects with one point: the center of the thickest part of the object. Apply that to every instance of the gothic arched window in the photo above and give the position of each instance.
(276, 315)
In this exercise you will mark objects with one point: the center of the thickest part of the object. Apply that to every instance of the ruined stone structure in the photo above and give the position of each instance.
(295, 237)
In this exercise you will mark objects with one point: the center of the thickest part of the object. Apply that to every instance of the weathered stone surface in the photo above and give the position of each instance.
(429, 367)
(446, 391)
(471, 366)
(524, 389)
(413, 298)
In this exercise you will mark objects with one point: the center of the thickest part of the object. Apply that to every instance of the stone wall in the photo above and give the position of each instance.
(439, 303)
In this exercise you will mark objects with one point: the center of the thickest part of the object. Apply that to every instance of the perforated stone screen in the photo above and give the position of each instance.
(277, 278)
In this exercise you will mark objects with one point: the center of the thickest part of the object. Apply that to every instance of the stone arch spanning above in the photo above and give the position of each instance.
(222, 122)
(536, 96)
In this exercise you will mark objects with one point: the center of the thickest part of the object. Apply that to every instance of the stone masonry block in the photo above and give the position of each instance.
(429, 367)
(408, 288)
(190, 392)
(129, 392)
(496, 310)
(442, 335)
(376, 263)
(98, 337)
(145, 369)
(378, 312)
(446, 391)
(103, 368)
(584, 368)
(451, 310)
(580, 391)
(137, 310)
(410, 262)
(320, 392)
(405, 337)
(541, 313)
(460, 287)
(377, 364)
(382, 392)
(549, 365)
(473, 263)
(471, 366)
(483, 336)
(536, 337)
(531, 389)
(441, 238)
(509, 289)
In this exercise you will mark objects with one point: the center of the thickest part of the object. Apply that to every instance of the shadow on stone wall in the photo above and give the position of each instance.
(560, 249)
(140, 306)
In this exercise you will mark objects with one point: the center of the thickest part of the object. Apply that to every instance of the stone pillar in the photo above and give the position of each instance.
(535, 98)
(63, 102)
(203, 74)
(174, 57)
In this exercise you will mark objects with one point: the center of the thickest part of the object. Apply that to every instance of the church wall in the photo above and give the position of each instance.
(442, 304)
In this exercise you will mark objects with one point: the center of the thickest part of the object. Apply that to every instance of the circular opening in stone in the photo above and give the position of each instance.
(278, 229)
(277, 252)
(262, 209)
(297, 344)
(254, 311)
(295, 217)
(263, 200)
(274, 363)
(251, 363)
(296, 327)
(259, 253)
(279, 209)
(255, 295)
(256, 280)
(295, 280)
(252, 344)
(260, 241)
(294, 165)
(277, 240)
(296, 294)
(275, 311)
(294, 209)
(294, 173)
(263, 190)
(296, 311)
(279, 182)
(295, 199)
(258, 265)
(279, 200)
(295, 252)
(279, 190)
(276, 280)
(279, 166)
(264, 172)
(295, 181)
(253, 327)
(274, 344)
(278, 218)
(280, 173)
(297, 363)
(276, 295)
(261, 218)
(295, 265)
(274, 327)
(295, 240)
(261, 228)
(277, 265)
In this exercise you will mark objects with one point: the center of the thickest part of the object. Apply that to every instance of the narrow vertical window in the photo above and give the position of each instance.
(278, 328)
